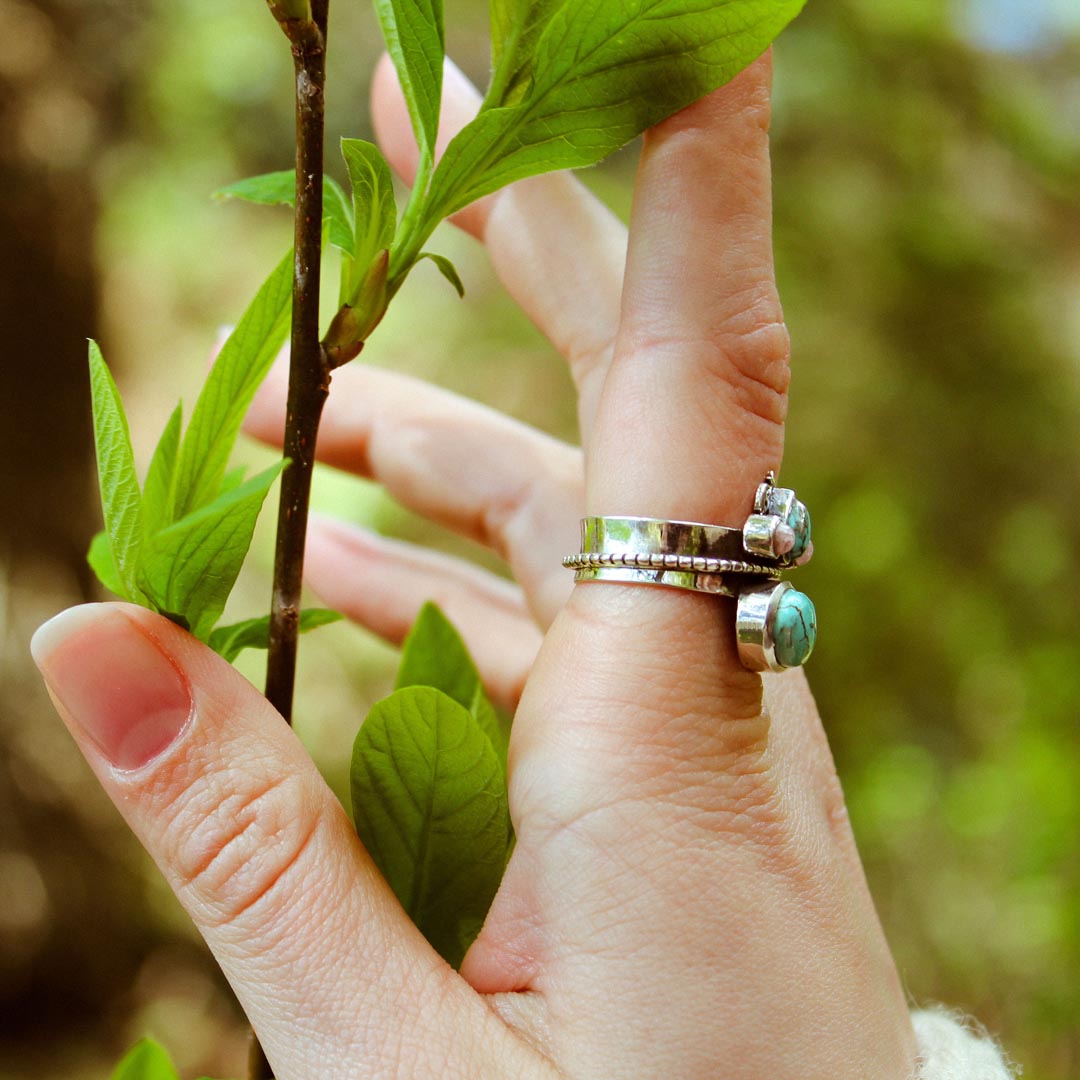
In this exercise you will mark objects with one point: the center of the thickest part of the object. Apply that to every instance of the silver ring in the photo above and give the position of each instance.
(777, 532)
(699, 564)
(775, 624)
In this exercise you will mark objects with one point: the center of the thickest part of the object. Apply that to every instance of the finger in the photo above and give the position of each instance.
(702, 356)
(325, 962)
(557, 249)
(454, 461)
(382, 585)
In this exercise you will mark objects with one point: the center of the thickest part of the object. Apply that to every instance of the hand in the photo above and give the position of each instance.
(685, 899)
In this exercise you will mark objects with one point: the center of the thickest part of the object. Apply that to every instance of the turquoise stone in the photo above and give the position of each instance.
(794, 628)
(798, 520)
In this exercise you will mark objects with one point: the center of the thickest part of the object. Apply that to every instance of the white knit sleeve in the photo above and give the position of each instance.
(951, 1047)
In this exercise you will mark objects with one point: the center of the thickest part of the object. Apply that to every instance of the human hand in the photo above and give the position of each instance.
(685, 898)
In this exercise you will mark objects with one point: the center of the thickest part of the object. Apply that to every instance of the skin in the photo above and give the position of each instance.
(685, 899)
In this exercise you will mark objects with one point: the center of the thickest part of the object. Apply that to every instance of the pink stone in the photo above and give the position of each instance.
(783, 539)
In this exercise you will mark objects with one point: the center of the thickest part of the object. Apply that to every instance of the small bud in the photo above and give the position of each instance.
(291, 10)
(353, 324)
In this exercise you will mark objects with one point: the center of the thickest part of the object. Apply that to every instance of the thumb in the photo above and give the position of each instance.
(255, 846)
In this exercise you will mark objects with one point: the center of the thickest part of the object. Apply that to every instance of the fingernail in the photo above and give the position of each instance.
(117, 687)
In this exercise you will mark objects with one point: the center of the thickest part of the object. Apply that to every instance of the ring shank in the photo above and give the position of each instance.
(642, 535)
(714, 584)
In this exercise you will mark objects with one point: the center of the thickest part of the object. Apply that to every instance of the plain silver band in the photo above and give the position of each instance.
(713, 584)
(649, 536)
(698, 564)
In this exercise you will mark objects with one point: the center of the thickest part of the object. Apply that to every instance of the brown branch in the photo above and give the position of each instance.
(309, 371)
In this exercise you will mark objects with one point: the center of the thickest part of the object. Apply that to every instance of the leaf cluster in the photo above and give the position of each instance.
(572, 81)
(176, 543)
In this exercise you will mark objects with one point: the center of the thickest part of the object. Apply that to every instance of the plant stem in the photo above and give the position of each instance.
(309, 374)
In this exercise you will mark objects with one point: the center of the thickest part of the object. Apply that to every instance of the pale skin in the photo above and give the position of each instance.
(685, 899)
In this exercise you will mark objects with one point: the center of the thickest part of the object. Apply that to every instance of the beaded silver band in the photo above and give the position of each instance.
(698, 564)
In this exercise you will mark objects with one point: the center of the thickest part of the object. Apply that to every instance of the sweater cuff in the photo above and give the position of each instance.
(952, 1047)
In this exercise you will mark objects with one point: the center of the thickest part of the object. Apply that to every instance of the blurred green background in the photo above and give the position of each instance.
(928, 238)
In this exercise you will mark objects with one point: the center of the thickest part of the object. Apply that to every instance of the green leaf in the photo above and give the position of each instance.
(429, 802)
(279, 189)
(415, 38)
(447, 269)
(338, 213)
(231, 641)
(600, 74)
(146, 1060)
(157, 491)
(516, 26)
(241, 366)
(232, 479)
(121, 500)
(101, 562)
(374, 210)
(268, 189)
(434, 654)
(189, 569)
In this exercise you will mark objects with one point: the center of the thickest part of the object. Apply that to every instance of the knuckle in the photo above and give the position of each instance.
(753, 357)
(746, 353)
(236, 851)
(497, 515)
(587, 349)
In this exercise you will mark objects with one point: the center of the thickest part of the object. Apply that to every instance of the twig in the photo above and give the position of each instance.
(309, 371)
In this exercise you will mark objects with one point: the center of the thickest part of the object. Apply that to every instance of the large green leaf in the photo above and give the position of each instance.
(374, 210)
(600, 74)
(434, 654)
(121, 499)
(429, 802)
(231, 641)
(241, 366)
(415, 38)
(279, 189)
(189, 569)
(146, 1060)
(157, 491)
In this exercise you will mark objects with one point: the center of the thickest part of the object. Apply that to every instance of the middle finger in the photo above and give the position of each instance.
(455, 461)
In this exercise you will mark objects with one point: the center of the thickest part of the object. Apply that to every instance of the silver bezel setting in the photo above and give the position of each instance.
(755, 618)
(772, 507)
